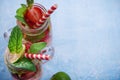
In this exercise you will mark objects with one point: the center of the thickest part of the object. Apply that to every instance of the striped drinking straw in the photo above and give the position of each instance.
(37, 56)
(46, 15)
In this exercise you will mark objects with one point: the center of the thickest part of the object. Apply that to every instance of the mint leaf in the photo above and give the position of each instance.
(36, 47)
(15, 41)
(20, 12)
(21, 19)
(25, 63)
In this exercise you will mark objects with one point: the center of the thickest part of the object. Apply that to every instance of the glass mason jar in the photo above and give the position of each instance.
(22, 74)
(41, 34)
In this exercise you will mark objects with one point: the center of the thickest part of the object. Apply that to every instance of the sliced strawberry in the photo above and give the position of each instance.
(27, 75)
(32, 16)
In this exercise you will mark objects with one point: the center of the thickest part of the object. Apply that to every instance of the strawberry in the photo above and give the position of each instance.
(32, 16)
(27, 46)
(27, 75)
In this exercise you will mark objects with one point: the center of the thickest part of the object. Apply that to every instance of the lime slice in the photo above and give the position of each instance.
(60, 76)
(15, 57)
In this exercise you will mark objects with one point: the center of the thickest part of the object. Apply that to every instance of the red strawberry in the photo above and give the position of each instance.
(32, 16)
(27, 75)
(27, 46)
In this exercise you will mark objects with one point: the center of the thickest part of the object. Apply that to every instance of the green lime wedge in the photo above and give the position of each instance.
(15, 57)
(60, 76)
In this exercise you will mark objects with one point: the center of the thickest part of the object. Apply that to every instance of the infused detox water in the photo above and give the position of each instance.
(29, 42)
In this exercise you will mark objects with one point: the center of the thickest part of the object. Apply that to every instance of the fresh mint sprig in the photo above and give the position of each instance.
(20, 13)
(15, 41)
(36, 47)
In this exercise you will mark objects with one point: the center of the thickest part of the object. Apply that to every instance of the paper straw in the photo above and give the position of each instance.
(46, 15)
(37, 56)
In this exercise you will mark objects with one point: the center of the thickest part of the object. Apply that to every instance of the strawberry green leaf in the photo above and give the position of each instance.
(36, 47)
(30, 2)
(15, 40)
(25, 64)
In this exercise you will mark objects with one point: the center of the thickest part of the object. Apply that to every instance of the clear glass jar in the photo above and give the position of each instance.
(41, 34)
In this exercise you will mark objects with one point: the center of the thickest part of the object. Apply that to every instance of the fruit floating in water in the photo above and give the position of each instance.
(32, 16)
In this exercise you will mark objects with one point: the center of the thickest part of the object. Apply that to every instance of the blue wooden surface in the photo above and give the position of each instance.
(86, 37)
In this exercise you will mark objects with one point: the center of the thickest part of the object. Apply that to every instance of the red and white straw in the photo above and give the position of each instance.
(37, 56)
(47, 14)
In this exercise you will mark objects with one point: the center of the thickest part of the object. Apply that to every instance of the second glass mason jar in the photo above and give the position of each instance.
(41, 34)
